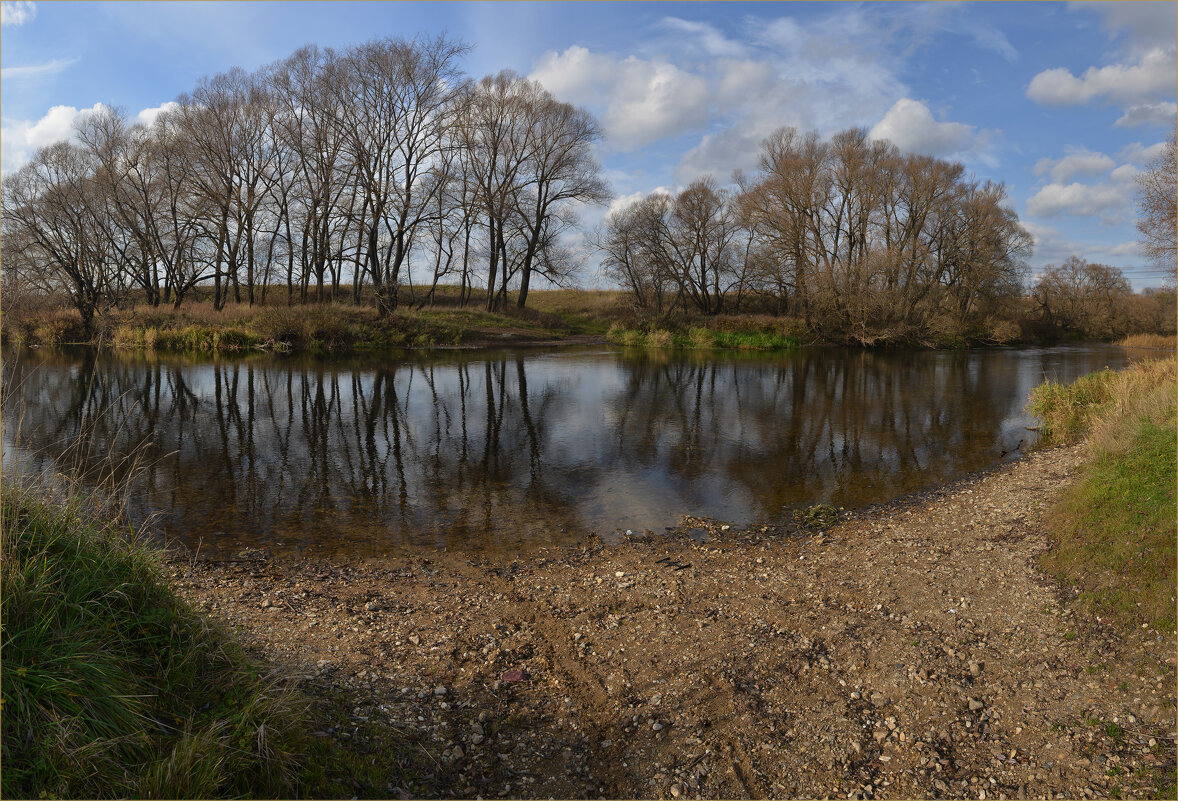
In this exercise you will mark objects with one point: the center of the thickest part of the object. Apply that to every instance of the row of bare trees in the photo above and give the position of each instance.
(856, 238)
(364, 167)
(1092, 300)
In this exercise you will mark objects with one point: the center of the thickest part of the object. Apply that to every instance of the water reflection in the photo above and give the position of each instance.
(515, 447)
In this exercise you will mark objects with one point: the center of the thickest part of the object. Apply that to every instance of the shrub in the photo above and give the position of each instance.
(659, 339)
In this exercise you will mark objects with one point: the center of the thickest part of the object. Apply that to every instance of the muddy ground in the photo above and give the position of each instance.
(911, 650)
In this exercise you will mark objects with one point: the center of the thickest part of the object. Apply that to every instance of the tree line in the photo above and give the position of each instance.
(335, 174)
(328, 168)
(865, 243)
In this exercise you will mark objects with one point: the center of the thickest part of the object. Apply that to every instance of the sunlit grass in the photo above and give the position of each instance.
(1114, 532)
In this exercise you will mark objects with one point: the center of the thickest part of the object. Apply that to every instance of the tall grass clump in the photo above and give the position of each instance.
(1150, 341)
(113, 686)
(1114, 532)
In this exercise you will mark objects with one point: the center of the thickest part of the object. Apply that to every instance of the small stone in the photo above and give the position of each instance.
(266, 603)
(619, 574)
(372, 606)
(976, 668)
(880, 735)
(676, 791)
(457, 753)
(975, 705)
(477, 739)
(657, 726)
(877, 699)
(484, 716)
(413, 638)
(855, 696)
(440, 691)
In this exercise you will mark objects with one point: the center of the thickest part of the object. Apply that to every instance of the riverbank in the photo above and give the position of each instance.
(910, 651)
(554, 317)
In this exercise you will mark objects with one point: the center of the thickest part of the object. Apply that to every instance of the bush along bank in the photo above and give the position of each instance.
(1114, 532)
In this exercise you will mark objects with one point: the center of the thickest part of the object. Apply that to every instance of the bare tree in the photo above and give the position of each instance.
(1157, 188)
(397, 106)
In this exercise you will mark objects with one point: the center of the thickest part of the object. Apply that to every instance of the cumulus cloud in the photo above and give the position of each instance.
(148, 115)
(1120, 83)
(36, 70)
(21, 139)
(1148, 114)
(1106, 201)
(828, 73)
(910, 126)
(17, 12)
(1139, 154)
(625, 201)
(1079, 161)
(645, 100)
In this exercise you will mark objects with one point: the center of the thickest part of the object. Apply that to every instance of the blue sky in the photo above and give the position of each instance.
(1063, 102)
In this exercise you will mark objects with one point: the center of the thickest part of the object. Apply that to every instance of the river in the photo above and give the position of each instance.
(514, 449)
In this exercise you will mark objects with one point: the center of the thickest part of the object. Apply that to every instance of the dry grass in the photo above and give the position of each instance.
(1114, 533)
(1098, 405)
(1150, 341)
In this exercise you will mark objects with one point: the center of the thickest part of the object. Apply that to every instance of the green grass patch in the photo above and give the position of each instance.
(1114, 531)
(112, 686)
(115, 687)
(700, 338)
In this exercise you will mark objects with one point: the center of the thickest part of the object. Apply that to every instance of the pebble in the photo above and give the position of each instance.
(975, 705)
(372, 606)
(440, 691)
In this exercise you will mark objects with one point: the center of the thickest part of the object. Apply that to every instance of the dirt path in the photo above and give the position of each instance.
(912, 651)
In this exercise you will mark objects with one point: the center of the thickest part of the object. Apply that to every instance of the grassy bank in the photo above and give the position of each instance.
(720, 334)
(1150, 342)
(114, 687)
(1113, 533)
(197, 327)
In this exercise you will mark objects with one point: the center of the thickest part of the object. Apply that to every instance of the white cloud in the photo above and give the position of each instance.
(148, 115)
(17, 12)
(707, 37)
(1106, 201)
(1145, 24)
(1121, 83)
(625, 201)
(1139, 154)
(1163, 113)
(910, 126)
(645, 100)
(21, 139)
(828, 73)
(1124, 174)
(1079, 161)
(36, 70)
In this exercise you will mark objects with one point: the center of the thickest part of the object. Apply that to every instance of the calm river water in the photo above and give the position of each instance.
(515, 448)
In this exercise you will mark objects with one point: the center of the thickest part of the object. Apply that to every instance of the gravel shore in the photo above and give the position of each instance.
(912, 650)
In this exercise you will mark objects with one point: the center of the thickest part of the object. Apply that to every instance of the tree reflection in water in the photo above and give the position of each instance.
(508, 448)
